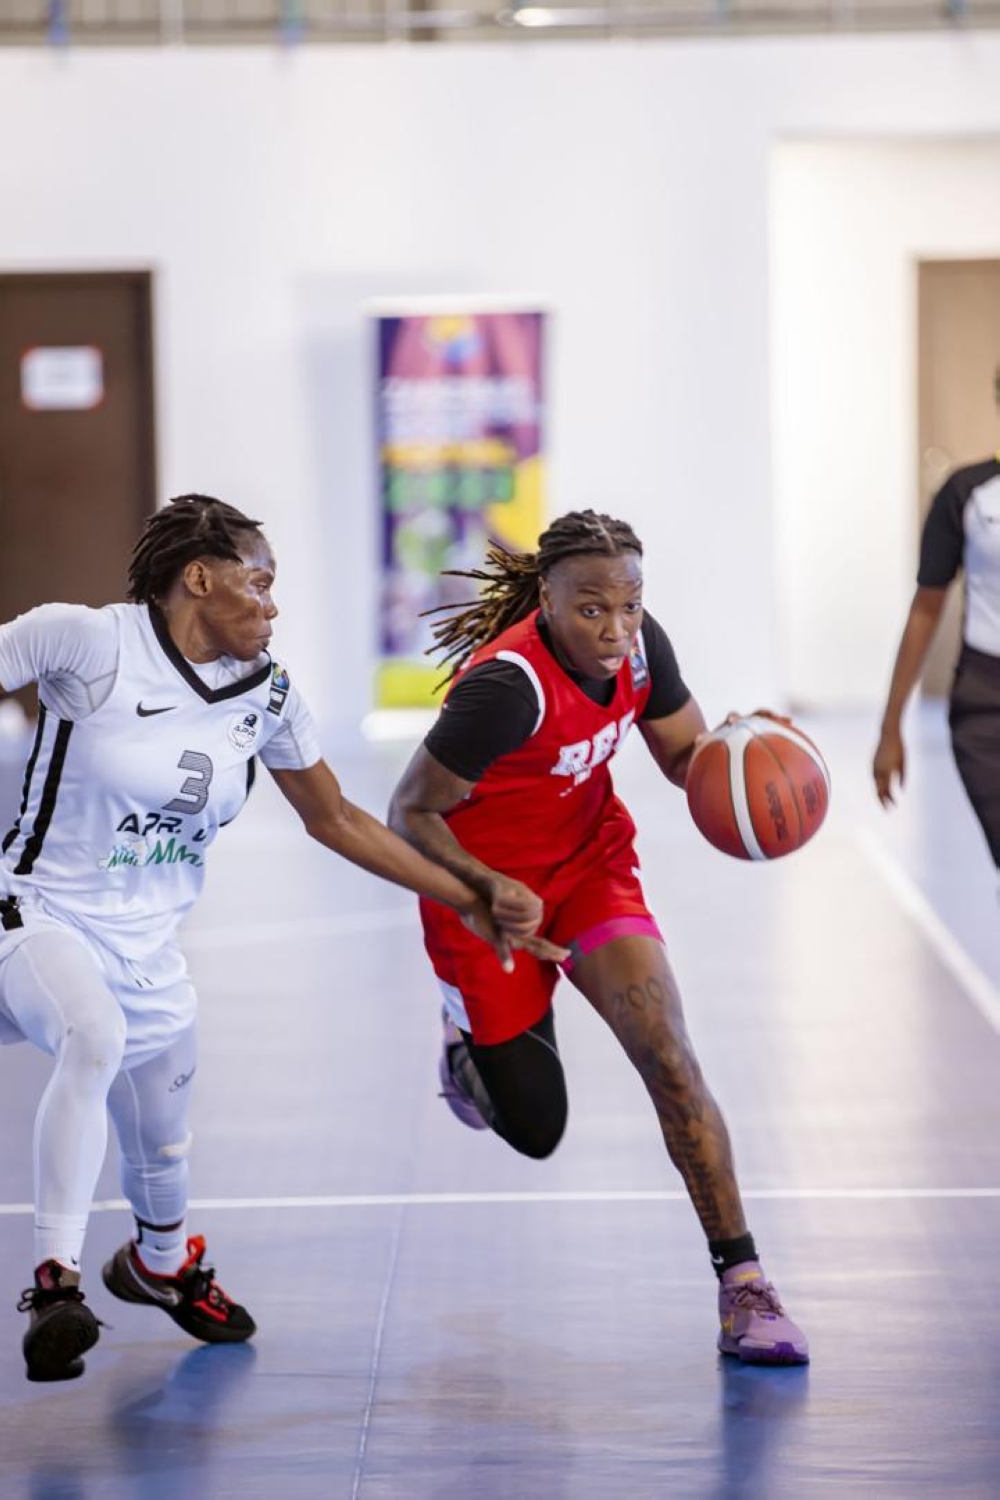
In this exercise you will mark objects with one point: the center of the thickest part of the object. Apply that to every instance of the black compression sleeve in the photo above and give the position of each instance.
(527, 1087)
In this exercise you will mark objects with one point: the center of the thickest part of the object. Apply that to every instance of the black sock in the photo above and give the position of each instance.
(726, 1253)
(142, 1224)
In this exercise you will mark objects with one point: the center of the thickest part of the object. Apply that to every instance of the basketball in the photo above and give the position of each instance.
(758, 788)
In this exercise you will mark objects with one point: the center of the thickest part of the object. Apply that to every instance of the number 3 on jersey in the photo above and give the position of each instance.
(194, 792)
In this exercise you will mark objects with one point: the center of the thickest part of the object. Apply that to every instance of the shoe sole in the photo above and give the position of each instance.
(57, 1348)
(762, 1354)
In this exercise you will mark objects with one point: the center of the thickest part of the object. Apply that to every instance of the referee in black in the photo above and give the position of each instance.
(962, 531)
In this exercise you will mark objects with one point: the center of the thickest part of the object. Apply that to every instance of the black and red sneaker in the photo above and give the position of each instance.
(192, 1296)
(62, 1326)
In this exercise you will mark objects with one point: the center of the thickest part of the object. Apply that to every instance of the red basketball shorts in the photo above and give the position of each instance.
(589, 900)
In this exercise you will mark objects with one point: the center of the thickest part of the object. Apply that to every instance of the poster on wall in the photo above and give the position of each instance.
(459, 423)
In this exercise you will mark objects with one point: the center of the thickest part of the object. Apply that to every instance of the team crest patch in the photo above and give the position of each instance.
(244, 729)
(637, 661)
(279, 689)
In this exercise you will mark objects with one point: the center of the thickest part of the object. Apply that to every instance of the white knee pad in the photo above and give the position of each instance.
(178, 1152)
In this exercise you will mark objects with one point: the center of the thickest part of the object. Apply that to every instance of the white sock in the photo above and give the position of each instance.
(162, 1251)
(60, 1237)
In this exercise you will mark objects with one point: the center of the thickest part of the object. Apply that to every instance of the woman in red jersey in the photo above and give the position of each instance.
(511, 791)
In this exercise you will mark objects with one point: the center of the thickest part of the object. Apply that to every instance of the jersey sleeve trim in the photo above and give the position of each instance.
(532, 676)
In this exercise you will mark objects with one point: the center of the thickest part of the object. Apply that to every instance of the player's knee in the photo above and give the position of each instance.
(94, 1042)
(539, 1143)
(538, 1136)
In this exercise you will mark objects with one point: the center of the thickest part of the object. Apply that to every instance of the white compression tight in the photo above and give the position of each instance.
(149, 1107)
(53, 987)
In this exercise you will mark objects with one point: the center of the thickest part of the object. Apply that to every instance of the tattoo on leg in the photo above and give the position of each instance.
(694, 1131)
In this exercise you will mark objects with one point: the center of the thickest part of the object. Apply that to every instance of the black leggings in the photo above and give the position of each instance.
(975, 738)
(527, 1087)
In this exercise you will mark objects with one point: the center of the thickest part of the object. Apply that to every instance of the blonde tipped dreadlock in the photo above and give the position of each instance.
(510, 582)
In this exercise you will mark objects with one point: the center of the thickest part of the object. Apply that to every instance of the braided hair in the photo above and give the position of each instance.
(510, 582)
(188, 527)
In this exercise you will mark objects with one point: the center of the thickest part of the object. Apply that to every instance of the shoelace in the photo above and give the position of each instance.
(204, 1287)
(758, 1296)
(34, 1297)
(207, 1289)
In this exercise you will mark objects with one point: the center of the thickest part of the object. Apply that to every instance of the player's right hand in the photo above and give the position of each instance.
(540, 947)
(889, 766)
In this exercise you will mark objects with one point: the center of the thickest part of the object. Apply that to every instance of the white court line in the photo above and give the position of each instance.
(596, 1195)
(346, 925)
(377, 1342)
(979, 988)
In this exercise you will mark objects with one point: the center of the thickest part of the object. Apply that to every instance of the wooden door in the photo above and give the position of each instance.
(77, 465)
(959, 396)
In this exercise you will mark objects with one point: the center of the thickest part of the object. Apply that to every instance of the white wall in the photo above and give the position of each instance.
(850, 222)
(626, 186)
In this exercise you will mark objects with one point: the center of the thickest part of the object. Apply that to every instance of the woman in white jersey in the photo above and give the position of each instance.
(153, 714)
(962, 531)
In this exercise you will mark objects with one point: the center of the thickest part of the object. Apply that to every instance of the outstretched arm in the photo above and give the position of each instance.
(350, 831)
(889, 764)
(329, 818)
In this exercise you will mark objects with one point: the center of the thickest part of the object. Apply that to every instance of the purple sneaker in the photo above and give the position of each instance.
(461, 1086)
(755, 1326)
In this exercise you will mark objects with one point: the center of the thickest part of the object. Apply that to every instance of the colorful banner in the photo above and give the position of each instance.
(459, 424)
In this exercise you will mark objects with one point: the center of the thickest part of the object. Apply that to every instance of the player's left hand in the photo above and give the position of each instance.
(769, 713)
(759, 713)
(478, 918)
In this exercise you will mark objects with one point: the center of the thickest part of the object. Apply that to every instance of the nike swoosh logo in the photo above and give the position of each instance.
(147, 713)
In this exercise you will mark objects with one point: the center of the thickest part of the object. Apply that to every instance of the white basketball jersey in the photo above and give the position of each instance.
(120, 807)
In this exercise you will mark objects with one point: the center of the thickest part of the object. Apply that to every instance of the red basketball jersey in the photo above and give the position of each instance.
(543, 803)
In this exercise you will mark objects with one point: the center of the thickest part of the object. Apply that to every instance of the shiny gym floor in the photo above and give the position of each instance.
(440, 1318)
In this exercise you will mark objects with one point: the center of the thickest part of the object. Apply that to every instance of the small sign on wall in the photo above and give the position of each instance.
(62, 379)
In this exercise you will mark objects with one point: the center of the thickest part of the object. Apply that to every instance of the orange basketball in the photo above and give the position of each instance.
(758, 788)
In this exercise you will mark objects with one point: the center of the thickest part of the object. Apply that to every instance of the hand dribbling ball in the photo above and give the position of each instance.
(757, 787)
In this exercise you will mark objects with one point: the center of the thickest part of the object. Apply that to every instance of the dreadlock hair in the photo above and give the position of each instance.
(510, 582)
(188, 527)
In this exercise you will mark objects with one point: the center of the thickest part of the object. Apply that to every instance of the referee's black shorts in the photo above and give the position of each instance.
(975, 737)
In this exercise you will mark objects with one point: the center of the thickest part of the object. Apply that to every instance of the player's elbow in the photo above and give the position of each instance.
(399, 814)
